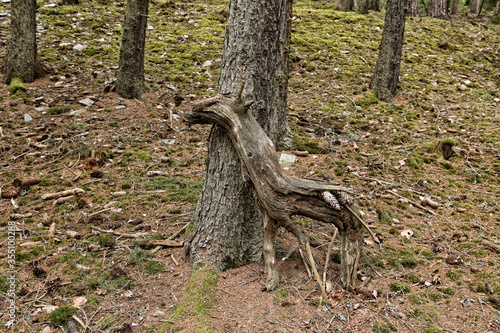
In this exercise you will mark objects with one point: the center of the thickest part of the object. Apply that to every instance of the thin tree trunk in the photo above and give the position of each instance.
(438, 9)
(497, 8)
(344, 5)
(454, 7)
(386, 74)
(413, 8)
(228, 227)
(363, 6)
(21, 59)
(130, 80)
(474, 6)
(374, 5)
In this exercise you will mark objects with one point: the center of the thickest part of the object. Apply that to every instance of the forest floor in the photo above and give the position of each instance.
(113, 253)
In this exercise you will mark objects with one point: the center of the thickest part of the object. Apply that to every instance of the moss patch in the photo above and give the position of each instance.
(198, 301)
(16, 86)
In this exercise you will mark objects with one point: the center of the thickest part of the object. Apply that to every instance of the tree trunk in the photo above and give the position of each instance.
(413, 8)
(228, 227)
(474, 6)
(438, 9)
(130, 80)
(344, 5)
(21, 59)
(453, 7)
(363, 6)
(386, 74)
(374, 5)
(497, 8)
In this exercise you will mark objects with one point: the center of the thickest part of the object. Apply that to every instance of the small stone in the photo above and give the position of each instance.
(87, 102)
(158, 313)
(27, 117)
(79, 47)
(287, 159)
(41, 108)
(77, 112)
(207, 63)
(119, 107)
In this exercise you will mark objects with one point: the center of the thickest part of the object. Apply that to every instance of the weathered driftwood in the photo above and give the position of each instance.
(281, 196)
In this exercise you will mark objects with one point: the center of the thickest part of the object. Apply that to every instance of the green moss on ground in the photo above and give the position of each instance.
(16, 86)
(197, 302)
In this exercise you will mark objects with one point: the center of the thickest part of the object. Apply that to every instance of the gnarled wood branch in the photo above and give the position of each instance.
(279, 195)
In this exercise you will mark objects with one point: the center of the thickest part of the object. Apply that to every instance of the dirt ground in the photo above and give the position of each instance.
(114, 249)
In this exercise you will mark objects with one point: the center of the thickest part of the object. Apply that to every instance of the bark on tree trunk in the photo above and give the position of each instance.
(130, 80)
(413, 8)
(374, 5)
(386, 74)
(228, 227)
(438, 9)
(21, 59)
(497, 8)
(474, 6)
(453, 7)
(363, 6)
(344, 5)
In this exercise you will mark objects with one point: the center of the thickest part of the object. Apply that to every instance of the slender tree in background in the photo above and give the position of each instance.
(439, 9)
(374, 5)
(363, 6)
(130, 80)
(386, 74)
(413, 8)
(228, 226)
(21, 59)
(474, 6)
(497, 8)
(344, 5)
(453, 7)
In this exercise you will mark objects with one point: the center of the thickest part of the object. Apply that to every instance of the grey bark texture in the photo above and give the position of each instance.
(386, 74)
(497, 8)
(21, 59)
(228, 226)
(453, 7)
(439, 9)
(413, 8)
(344, 5)
(363, 6)
(130, 80)
(474, 6)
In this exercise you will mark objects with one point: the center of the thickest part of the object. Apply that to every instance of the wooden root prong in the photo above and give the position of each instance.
(375, 239)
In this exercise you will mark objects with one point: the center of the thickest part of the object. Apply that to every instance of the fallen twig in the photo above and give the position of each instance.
(74, 191)
(416, 204)
(315, 271)
(375, 239)
(328, 254)
(180, 231)
(123, 234)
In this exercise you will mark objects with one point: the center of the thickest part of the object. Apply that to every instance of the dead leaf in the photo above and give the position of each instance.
(78, 301)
